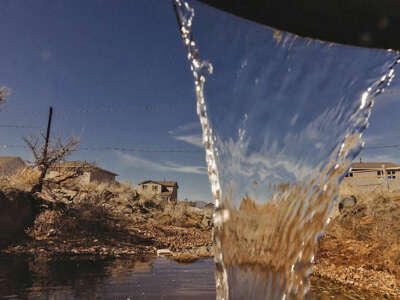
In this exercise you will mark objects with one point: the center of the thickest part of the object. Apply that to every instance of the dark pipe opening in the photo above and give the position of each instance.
(366, 23)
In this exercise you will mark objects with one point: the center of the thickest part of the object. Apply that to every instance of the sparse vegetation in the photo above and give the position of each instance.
(107, 220)
(47, 154)
(27, 175)
(362, 243)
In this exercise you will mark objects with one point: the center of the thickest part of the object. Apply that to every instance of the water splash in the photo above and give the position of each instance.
(200, 70)
(284, 123)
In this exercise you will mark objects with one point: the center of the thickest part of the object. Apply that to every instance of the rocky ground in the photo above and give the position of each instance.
(361, 246)
(101, 220)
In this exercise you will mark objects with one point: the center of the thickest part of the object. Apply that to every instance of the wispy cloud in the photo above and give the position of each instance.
(189, 133)
(167, 166)
(194, 139)
(192, 126)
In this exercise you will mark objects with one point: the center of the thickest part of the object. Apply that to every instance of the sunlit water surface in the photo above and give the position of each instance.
(282, 119)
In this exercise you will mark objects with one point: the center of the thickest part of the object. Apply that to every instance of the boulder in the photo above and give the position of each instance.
(347, 203)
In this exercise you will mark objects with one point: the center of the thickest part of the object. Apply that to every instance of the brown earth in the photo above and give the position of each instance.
(361, 246)
(104, 220)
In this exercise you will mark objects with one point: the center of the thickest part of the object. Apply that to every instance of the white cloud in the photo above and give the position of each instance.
(194, 139)
(189, 127)
(167, 166)
(189, 133)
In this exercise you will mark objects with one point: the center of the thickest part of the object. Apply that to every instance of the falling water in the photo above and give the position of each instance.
(282, 121)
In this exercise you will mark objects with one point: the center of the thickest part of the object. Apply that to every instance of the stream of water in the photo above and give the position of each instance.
(282, 119)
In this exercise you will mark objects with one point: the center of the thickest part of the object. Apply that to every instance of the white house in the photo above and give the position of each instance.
(374, 175)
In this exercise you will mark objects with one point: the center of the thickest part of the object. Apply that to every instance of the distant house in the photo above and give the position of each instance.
(166, 190)
(91, 172)
(373, 175)
(9, 165)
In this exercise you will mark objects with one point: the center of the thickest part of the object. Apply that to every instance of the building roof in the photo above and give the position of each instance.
(373, 165)
(11, 162)
(164, 183)
(79, 164)
(9, 159)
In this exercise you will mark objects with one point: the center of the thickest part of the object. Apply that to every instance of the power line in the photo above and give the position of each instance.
(122, 149)
(381, 147)
(154, 107)
(18, 126)
(170, 150)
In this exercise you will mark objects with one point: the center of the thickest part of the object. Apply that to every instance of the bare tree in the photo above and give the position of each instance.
(46, 155)
(4, 92)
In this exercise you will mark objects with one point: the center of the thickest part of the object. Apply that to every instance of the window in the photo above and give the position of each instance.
(380, 173)
(350, 174)
(155, 188)
(144, 186)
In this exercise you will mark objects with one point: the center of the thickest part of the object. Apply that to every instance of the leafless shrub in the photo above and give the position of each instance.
(82, 219)
(4, 93)
(46, 156)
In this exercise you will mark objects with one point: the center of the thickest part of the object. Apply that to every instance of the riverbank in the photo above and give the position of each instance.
(361, 245)
(136, 241)
(104, 221)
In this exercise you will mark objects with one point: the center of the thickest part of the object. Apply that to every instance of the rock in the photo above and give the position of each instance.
(106, 195)
(347, 203)
(52, 232)
(206, 222)
(203, 251)
(185, 258)
(161, 252)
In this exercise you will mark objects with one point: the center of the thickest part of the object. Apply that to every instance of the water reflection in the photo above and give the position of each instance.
(39, 278)
(147, 278)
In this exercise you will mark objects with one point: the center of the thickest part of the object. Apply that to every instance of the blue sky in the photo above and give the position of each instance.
(117, 57)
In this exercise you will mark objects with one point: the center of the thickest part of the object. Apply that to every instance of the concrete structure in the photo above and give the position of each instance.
(369, 176)
(91, 173)
(166, 190)
(9, 165)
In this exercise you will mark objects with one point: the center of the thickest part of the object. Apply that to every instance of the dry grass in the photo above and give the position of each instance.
(85, 218)
(26, 175)
(116, 188)
(374, 225)
(180, 215)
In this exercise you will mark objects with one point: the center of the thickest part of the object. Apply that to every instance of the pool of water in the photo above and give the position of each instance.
(146, 278)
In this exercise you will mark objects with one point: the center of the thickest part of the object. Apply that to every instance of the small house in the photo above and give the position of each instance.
(374, 175)
(90, 172)
(166, 190)
(9, 165)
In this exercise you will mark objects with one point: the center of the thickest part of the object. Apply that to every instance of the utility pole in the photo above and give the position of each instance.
(48, 133)
(43, 171)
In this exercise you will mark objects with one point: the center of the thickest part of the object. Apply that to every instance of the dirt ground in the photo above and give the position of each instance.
(361, 245)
